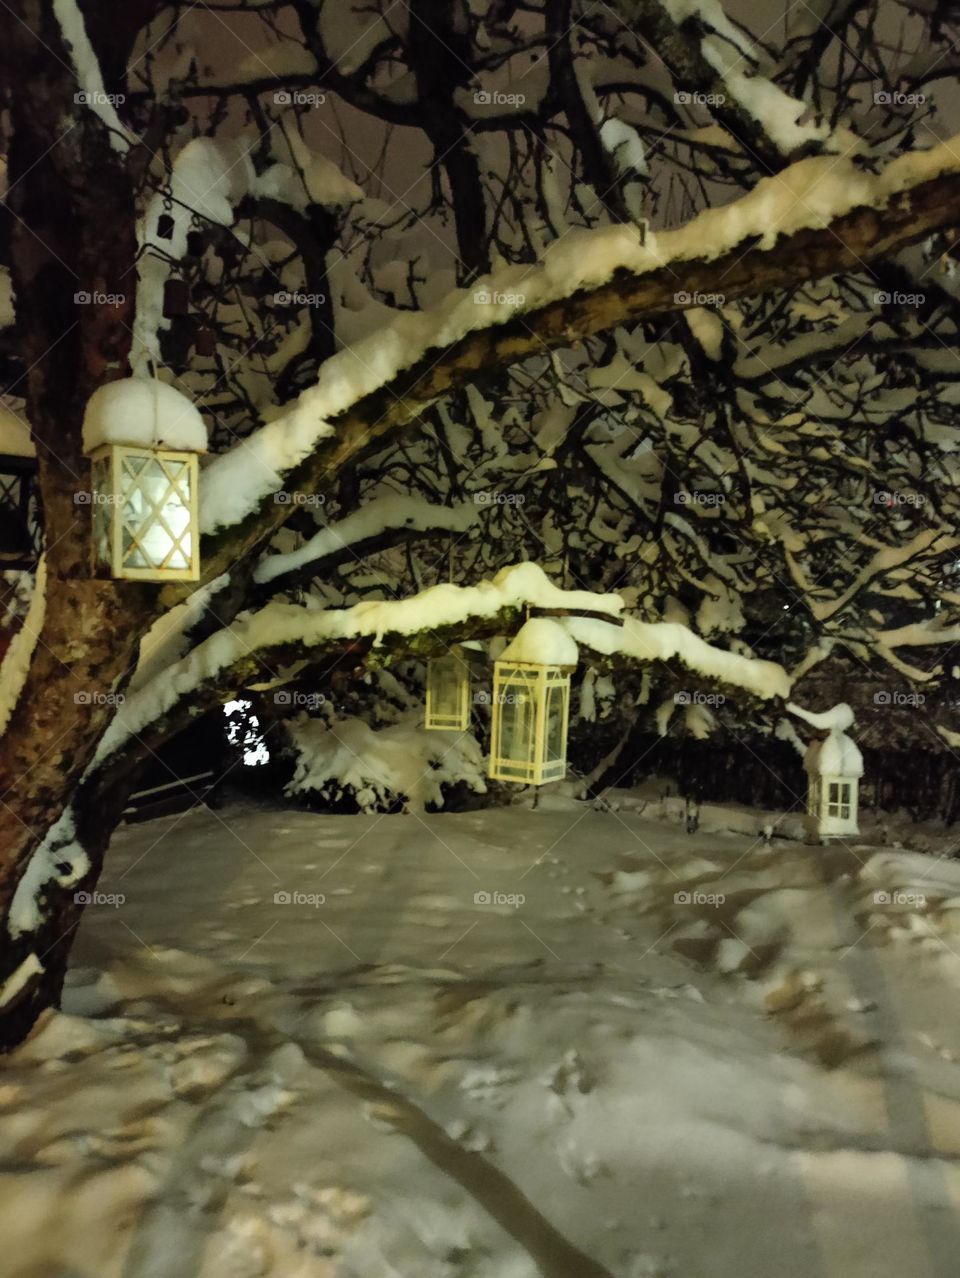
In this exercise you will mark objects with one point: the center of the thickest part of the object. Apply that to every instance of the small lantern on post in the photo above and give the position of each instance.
(531, 705)
(20, 533)
(143, 439)
(448, 693)
(834, 766)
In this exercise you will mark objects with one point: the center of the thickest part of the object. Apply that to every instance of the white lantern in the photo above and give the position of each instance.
(143, 438)
(531, 705)
(145, 513)
(448, 694)
(834, 767)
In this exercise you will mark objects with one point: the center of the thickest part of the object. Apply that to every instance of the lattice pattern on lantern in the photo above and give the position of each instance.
(531, 708)
(20, 528)
(145, 513)
(448, 694)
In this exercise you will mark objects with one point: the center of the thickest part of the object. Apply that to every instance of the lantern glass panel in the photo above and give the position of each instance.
(21, 535)
(100, 480)
(448, 694)
(556, 727)
(839, 801)
(517, 704)
(145, 517)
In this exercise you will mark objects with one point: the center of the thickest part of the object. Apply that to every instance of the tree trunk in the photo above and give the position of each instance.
(73, 244)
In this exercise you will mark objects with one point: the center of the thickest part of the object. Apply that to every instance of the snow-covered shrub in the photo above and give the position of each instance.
(381, 769)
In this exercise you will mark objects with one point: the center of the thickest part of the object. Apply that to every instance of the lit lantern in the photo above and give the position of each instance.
(448, 693)
(144, 494)
(834, 767)
(531, 705)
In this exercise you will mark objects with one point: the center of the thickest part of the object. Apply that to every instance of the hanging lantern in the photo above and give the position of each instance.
(145, 513)
(205, 341)
(144, 496)
(176, 298)
(195, 243)
(531, 705)
(165, 227)
(448, 694)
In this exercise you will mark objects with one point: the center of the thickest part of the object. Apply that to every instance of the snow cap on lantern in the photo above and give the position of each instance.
(531, 704)
(834, 766)
(143, 438)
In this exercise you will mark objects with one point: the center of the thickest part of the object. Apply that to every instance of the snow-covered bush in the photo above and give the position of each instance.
(345, 760)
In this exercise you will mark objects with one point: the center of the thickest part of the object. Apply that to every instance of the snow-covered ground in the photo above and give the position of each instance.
(652, 1053)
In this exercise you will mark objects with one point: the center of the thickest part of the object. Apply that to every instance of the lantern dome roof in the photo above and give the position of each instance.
(541, 642)
(837, 755)
(143, 412)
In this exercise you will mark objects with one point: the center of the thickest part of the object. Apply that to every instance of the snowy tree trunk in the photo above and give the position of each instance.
(73, 231)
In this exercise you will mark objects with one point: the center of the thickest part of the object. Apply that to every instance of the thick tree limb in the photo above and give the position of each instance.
(848, 243)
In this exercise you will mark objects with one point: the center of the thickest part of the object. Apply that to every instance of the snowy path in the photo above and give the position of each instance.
(677, 1055)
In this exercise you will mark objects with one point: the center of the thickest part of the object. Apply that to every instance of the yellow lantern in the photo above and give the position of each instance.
(531, 705)
(143, 438)
(448, 694)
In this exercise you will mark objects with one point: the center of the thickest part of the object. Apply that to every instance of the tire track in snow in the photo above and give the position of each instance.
(495, 1192)
(163, 1248)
